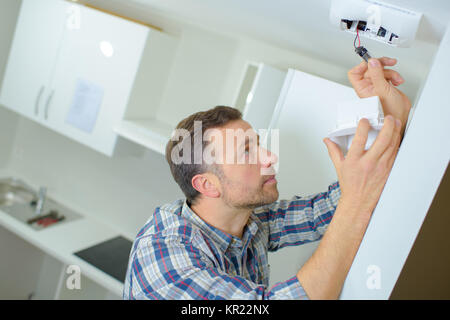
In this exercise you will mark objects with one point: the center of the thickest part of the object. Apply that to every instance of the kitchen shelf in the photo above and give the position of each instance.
(150, 133)
(256, 98)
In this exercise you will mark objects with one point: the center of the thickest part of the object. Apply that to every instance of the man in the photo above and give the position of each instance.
(215, 243)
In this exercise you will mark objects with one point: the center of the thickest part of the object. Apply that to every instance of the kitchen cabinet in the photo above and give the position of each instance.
(32, 57)
(75, 69)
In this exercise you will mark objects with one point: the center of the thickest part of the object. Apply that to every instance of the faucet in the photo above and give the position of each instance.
(41, 199)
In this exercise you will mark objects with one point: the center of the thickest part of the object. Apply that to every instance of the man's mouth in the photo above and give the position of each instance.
(271, 179)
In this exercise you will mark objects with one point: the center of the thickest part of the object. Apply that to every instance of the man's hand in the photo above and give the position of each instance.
(362, 174)
(371, 79)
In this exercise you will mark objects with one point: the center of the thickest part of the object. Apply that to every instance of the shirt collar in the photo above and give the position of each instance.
(221, 238)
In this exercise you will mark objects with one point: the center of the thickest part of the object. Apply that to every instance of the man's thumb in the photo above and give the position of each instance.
(376, 74)
(335, 153)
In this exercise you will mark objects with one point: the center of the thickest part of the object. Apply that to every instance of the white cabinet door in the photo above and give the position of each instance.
(96, 68)
(32, 57)
(305, 113)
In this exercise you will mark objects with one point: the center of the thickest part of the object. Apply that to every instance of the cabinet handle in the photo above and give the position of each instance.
(38, 98)
(47, 104)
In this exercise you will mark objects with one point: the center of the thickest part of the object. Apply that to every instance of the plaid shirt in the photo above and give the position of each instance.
(177, 255)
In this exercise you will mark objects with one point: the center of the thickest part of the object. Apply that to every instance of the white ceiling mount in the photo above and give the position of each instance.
(376, 20)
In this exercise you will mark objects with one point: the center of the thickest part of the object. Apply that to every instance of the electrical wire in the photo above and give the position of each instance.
(357, 36)
(359, 39)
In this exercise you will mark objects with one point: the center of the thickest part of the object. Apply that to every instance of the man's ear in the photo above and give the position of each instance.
(207, 184)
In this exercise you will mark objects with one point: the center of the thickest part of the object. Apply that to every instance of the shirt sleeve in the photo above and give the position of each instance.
(170, 268)
(300, 219)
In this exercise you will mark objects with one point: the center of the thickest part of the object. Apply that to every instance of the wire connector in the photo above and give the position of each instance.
(363, 53)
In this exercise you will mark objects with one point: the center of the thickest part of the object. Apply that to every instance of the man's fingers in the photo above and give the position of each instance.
(335, 153)
(360, 138)
(388, 62)
(376, 74)
(389, 155)
(356, 73)
(394, 154)
(390, 75)
(384, 138)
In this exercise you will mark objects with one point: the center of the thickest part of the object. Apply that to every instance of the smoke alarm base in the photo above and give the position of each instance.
(382, 22)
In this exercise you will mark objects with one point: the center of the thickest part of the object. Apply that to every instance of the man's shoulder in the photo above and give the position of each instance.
(166, 223)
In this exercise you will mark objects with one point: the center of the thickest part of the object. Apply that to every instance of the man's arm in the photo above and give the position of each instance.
(362, 175)
(305, 219)
(299, 220)
(323, 275)
(173, 267)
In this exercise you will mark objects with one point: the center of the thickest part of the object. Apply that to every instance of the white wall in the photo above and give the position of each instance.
(122, 191)
(9, 10)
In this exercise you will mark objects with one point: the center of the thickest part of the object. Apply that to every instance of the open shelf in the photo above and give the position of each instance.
(150, 133)
(256, 97)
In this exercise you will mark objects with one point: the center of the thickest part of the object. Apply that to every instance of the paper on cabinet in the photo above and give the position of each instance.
(85, 106)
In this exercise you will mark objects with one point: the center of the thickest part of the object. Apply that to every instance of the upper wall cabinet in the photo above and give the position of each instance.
(78, 70)
(33, 54)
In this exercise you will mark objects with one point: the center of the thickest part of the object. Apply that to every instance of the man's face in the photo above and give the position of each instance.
(249, 180)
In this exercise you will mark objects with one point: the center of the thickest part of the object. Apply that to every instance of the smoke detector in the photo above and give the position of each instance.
(349, 114)
(376, 20)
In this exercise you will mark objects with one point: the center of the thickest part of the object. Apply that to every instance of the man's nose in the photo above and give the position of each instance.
(267, 158)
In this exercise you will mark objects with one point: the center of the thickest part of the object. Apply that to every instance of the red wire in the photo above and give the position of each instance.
(357, 33)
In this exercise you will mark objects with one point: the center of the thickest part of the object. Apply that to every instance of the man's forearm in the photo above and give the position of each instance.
(323, 275)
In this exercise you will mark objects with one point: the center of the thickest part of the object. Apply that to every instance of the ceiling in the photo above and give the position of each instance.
(298, 25)
(295, 23)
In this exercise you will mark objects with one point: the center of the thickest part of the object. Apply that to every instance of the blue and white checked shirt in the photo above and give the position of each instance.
(177, 255)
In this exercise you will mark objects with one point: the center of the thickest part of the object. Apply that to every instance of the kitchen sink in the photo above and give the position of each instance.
(19, 200)
(13, 191)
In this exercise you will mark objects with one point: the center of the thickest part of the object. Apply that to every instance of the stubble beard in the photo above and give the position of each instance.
(247, 198)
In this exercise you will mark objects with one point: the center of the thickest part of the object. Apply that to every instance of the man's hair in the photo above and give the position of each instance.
(183, 172)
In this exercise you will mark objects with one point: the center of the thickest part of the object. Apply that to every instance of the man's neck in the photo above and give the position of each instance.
(221, 216)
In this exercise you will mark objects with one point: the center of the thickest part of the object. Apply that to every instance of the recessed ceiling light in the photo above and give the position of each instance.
(106, 48)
